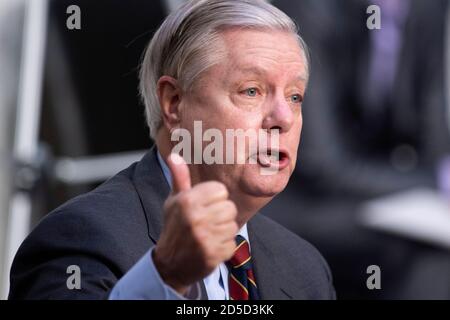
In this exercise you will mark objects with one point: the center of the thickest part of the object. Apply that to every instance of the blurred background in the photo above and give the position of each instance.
(372, 184)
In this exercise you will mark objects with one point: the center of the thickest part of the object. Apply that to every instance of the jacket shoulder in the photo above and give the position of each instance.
(296, 257)
(104, 232)
(111, 211)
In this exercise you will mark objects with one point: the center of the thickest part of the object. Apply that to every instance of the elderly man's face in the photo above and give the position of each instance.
(258, 86)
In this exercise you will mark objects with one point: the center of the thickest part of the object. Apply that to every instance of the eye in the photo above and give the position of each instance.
(296, 98)
(251, 92)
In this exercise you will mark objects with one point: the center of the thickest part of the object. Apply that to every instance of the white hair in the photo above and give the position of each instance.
(186, 44)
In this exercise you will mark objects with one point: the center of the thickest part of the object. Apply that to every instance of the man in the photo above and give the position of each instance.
(163, 229)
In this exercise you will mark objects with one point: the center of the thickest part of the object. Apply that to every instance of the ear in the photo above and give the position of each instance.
(169, 94)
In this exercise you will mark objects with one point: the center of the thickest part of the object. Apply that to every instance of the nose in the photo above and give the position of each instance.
(279, 115)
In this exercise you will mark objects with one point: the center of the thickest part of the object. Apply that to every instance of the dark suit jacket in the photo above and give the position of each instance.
(106, 231)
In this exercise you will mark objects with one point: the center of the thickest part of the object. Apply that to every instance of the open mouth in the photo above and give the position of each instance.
(273, 158)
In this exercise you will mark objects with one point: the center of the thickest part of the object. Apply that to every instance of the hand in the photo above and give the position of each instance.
(199, 229)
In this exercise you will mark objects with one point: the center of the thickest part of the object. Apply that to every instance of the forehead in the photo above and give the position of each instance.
(264, 51)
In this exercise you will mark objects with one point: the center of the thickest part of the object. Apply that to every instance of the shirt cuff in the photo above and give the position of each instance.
(143, 282)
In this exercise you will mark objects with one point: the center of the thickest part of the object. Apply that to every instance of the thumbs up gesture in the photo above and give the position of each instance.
(199, 229)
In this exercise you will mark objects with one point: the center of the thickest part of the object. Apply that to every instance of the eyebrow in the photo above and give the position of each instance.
(262, 72)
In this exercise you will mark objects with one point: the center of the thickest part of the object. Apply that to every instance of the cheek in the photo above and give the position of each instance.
(300, 126)
(231, 117)
(205, 113)
(210, 108)
(295, 136)
(296, 129)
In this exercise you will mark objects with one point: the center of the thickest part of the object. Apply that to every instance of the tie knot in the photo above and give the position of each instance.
(241, 257)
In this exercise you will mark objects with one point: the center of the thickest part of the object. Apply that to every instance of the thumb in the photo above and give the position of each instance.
(181, 178)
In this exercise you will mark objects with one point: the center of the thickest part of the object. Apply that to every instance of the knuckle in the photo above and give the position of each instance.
(231, 208)
(223, 189)
(185, 200)
(219, 187)
(195, 219)
(199, 235)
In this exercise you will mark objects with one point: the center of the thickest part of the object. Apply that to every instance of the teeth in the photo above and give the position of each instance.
(268, 159)
(274, 156)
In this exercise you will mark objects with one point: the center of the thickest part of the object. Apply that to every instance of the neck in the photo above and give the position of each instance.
(163, 143)
(248, 207)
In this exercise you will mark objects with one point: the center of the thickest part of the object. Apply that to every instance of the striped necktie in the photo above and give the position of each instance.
(242, 283)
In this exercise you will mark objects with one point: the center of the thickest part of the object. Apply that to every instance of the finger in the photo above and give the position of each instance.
(181, 178)
(210, 192)
(225, 232)
(222, 212)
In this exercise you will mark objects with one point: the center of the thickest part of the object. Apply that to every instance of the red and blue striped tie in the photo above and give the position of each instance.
(242, 282)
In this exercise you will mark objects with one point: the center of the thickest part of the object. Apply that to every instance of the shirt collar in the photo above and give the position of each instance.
(165, 169)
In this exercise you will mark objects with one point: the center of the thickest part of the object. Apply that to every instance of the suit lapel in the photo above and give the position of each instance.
(273, 278)
(153, 190)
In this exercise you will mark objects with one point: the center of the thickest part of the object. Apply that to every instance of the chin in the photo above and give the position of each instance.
(266, 186)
